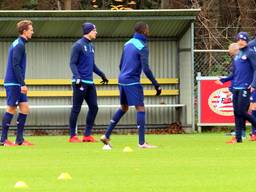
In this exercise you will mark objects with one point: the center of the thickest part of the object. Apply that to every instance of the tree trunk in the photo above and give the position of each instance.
(247, 15)
(59, 5)
(67, 4)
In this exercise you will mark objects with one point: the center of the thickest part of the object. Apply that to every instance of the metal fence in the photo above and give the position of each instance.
(212, 62)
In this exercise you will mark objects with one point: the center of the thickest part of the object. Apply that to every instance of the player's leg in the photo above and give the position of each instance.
(77, 101)
(6, 121)
(141, 123)
(135, 96)
(91, 100)
(113, 122)
(253, 110)
(141, 127)
(21, 120)
(12, 97)
(241, 111)
(117, 116)
(239, 120)
(244, 103)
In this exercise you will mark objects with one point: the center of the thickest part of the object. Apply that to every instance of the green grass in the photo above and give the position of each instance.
(196, 162)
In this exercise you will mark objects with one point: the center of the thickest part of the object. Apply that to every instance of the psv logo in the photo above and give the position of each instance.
(220, 102)
(85, 48)
(244, 57)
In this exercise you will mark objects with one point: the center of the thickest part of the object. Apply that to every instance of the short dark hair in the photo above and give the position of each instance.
(140, 27)
(23, 25)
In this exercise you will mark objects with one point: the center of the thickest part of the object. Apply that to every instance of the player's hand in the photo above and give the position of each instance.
(104, 80)
(218, 82)
(158, 90)
(78, 83)
(24, 89)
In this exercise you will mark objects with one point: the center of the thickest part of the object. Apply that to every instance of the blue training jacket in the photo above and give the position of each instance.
(135, 59)
(16, 63)
(243, 72)
(252, 44)
(82, 62)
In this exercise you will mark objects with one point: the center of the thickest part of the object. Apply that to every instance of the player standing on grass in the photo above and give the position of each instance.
(16, 89)
(134, 59)
(243, 79)
(82, 66)
(252, 45)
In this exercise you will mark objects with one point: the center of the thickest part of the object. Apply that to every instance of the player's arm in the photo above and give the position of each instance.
(97, 70)
(230, 76)
(100, 73)
(121, 61)
(147, 71)
(18, 52)
(252, 59)
(223, 80)
(74, 57)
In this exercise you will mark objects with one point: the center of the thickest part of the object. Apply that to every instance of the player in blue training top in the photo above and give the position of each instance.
(243, 79)
(134, 59)
(82, 66)
(252, 45)
(16, 89)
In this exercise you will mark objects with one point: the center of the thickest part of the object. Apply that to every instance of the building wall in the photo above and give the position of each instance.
(50, 60)
(186, 74)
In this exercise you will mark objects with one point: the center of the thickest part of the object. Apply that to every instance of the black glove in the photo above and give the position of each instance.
(104, 80)
(78, 83)
(158, 90)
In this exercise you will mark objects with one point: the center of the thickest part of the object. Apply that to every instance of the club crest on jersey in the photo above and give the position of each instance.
(244, 57)
(85, 48)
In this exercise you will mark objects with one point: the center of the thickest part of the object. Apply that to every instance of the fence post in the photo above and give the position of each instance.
(198, 78)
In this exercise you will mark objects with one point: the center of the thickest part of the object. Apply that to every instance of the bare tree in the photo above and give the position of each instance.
(58, 4)
(67, 4)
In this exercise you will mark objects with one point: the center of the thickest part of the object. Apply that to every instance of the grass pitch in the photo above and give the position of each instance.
(195, 162)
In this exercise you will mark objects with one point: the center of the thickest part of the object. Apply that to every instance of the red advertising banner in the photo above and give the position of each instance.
(216, 103)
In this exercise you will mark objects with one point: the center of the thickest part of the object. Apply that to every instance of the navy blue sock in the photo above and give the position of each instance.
(88, 130)
(7, 118)
(21, 120)
(141, 126)
(113, 122)
(93, 110)
(73, 120)
(254, 128)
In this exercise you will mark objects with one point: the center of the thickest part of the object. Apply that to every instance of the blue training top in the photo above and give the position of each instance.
(82, 62)
(252, 44)
(16, 63)
(243, 72)
(135, 59)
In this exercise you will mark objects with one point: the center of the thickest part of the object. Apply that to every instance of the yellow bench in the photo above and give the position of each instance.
(161, 81)
(180, 108)
(100, 93)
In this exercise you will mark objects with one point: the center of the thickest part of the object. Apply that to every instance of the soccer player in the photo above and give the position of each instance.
(82, 66)
(243, 79)
(134, 59)
(252, 45)
(16, 89)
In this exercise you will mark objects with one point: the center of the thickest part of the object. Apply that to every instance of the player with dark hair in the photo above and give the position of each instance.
(82, 66)
(16, 89)
(134, 59)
